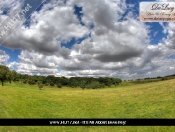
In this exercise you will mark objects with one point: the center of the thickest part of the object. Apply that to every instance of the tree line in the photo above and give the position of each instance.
(84, 82)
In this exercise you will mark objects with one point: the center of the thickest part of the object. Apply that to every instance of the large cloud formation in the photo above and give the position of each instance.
(3, 58)
(114, 43)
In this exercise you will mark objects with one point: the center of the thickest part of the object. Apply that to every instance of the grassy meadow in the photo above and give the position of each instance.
(128, 100)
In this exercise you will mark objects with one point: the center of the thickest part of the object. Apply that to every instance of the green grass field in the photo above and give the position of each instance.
(149, 100)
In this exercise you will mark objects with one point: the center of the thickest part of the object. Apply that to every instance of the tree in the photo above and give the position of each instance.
(40, 85)
(51, 80)
(15, 76)
(107, 81)
(116, 81)
(52, 84)
(5, 74)
(59, 85)
(83, 84)
(31, 80)
(95, 85)
(64, 80)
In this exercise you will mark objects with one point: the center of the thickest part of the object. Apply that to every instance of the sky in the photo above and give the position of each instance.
(94, 38)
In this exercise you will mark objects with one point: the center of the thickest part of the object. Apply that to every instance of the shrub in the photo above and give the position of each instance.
(46, 84)
(59, 85)
(40, 86)
(25, 81)
(83, 84)
(95, 85)
(102, 85)
(51, 84)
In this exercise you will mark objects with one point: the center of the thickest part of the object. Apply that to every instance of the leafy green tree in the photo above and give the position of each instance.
(95, 85)
(15, 76)
(42, 79)
(25, 81)
(107, 81)
(59, 85)
(64, 80)
(24, 78)
(116, 81)
(83, 84)
(46, 84)
(5, 74)
(52, 84)
(51, 79)
(31, 80)
(74, 82)
(40, 85)
(102, 85)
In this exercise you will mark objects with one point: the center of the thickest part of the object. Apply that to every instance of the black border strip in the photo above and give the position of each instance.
(87, 122)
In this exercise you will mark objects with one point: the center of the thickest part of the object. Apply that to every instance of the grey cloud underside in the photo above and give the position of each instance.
(107, 57)
(84, 58)
(72, 68)
(147, 68)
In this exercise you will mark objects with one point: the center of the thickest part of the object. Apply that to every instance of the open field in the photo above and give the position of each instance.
(149, 100)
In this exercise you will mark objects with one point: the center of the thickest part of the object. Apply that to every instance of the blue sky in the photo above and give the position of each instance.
(80, 38)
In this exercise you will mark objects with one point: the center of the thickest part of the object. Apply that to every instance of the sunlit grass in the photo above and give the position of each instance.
(150, 100)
